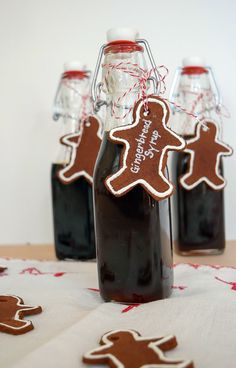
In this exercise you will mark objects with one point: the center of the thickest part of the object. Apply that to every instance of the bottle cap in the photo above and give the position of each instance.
(74, 65)
(125, 34)
(193, 61)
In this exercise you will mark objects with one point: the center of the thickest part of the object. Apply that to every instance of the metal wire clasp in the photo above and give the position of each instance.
(96, 88)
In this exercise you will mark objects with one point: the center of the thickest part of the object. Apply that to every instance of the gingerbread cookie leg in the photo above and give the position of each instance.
(218, 180)
(67, 172)
(160, 186)
(120, 183)
(16, 326)
(189, 179)
(12, 312)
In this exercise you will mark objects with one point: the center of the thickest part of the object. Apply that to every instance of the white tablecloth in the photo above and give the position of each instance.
(201, 313)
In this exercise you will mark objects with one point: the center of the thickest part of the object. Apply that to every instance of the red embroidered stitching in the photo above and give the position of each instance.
(36, 272)
(196, 266)
(94, 289)
(130, 307)
(233, 284)
(179, 287)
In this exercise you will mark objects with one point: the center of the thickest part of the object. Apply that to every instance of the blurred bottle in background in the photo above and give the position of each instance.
(199, 212)
(72, 201)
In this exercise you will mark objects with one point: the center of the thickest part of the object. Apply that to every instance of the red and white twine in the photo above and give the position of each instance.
(141, 75)
(84, 102)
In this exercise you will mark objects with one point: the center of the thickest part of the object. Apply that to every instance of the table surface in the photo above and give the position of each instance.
(46, 252)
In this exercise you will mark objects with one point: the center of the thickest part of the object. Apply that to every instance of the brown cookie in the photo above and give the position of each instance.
(12, 312)
(2, 269)
(206, 151)
(146, 144)
(127, 349)
(84, 150)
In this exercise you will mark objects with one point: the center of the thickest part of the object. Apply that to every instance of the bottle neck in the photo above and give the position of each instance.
(120, 87)
(71, 101)
(194, 94)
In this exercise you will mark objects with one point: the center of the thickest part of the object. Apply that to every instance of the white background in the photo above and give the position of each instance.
(36, 37)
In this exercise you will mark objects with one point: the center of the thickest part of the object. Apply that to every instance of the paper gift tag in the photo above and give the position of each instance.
(205, 151)
(84, 150)
(146, 144)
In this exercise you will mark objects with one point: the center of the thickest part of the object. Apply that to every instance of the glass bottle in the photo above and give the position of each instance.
(133, 232)
(72, 202)
(199, 212)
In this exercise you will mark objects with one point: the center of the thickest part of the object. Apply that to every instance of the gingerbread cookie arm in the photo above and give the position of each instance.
(119, 134)
(27, 310)
(71, 140)
(191, 145)
(166, 344)
(224, 149)
(175, 141)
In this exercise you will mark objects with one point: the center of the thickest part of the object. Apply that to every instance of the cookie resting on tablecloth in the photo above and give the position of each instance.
(12, 312)
(127, 349)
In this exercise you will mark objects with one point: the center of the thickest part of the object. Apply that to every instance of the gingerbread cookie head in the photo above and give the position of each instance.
(84, 150)
(146, 142)
(157, 109)
(205, 151)
(12, 312)
(126, 348)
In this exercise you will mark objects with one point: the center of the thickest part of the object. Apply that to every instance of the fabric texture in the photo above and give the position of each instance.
(200, 313)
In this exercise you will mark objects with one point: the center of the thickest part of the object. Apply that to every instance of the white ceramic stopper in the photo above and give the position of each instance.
(127, 34)
(74, 65)
(193, 61)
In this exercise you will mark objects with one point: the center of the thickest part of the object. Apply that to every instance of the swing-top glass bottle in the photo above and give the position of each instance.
(133, 232)
(199, 212)
(72, 203)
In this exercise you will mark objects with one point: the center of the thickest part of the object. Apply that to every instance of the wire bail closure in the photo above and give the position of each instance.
(96, 88)
(176, 81)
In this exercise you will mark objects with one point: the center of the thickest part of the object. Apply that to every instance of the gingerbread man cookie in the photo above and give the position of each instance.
(206, 151)
(127, 349)
(146, 144)
(12, 311)
(84, 150)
